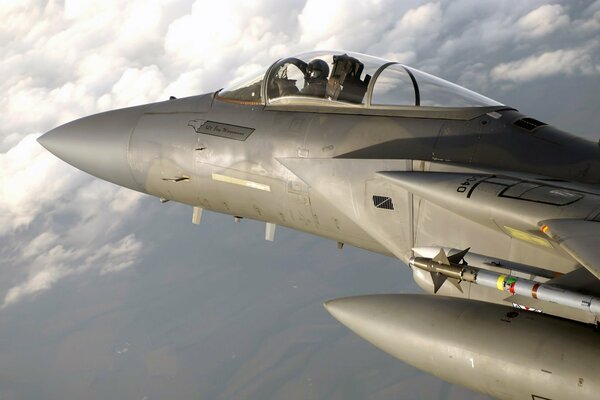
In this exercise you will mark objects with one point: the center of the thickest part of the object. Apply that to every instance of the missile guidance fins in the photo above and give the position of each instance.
(438, 280)
(458, 257)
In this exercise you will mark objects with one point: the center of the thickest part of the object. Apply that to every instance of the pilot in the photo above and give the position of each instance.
(317, 72)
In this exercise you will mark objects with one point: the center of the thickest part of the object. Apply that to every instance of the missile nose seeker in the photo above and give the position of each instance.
(98, 144)
(489, 348)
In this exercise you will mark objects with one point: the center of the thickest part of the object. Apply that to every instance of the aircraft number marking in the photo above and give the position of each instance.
(464, 186)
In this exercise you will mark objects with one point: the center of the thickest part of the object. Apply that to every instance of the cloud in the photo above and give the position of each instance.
(56, 221)
(39, 245)
(119, 255)
(31, 178)
(58, 263)
(591, 21)
(421, 19)
(563, 61)
(42, 280)
(543, 20)
(317, 28)
(135, 86)
(45, 270)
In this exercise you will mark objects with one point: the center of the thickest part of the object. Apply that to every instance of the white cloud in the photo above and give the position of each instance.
(48, 268)
(338, 24)
(124, 201)
(421, 19)
(58, 263)
(404, 57)
(137, 86)
(42, 280)
(563, 61)
(58, 60)
(590, 24)
(40, 244)
(142, 23)
(316, 22)
(37, 192)
(212, 28)
(544, 20)
(186, 84)
(75, 9)
(118, 256)
(475, 75)
(31, 178)
(416, 29)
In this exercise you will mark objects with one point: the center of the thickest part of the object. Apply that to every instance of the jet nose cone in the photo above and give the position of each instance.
(97, 144)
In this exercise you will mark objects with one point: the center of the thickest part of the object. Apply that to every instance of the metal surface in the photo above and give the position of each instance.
(458, 170)
(497, 350)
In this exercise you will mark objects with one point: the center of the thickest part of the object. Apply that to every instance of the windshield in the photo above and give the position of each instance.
(329, 78)
(245, 91)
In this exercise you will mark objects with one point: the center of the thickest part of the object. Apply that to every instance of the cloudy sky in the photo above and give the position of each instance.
(106, 293)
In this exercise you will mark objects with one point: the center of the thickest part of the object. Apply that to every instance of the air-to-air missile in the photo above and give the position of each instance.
(443, 267)
(382, 156)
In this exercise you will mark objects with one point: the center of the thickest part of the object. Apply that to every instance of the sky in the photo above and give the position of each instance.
(106, 293)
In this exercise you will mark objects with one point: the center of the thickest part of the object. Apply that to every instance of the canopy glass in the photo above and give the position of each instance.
(351, 80)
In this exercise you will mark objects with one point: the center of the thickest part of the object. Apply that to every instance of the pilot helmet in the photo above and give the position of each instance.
(318, 69)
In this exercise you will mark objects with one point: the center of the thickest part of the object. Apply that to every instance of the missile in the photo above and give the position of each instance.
(494, 349)
(444, 267)
(490, 263)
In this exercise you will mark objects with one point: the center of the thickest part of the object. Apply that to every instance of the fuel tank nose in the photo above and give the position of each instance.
(98, 144)
(490, 348)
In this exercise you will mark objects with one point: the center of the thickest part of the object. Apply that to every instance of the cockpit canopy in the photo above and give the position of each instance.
(350, 80)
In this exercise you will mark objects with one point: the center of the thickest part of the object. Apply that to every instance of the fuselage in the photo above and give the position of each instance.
(168, 156)
(344, 167)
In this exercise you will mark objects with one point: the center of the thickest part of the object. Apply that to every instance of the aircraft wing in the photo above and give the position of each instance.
(579, 238)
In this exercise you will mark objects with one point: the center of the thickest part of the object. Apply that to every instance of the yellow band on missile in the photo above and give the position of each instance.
(500, 283)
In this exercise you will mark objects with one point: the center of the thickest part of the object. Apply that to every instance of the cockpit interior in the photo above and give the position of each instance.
(347, 79)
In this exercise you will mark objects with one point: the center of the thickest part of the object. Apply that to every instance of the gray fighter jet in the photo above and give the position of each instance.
(496, 213)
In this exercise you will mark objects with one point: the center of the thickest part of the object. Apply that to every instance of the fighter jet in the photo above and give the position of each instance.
(496, 213)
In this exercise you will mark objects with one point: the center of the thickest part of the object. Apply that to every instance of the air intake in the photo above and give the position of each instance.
(529, 124)
(383, 202)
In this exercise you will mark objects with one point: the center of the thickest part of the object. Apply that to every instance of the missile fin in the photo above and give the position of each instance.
(441, 258)
(456, 284)
(458, 257)
(438, 280)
